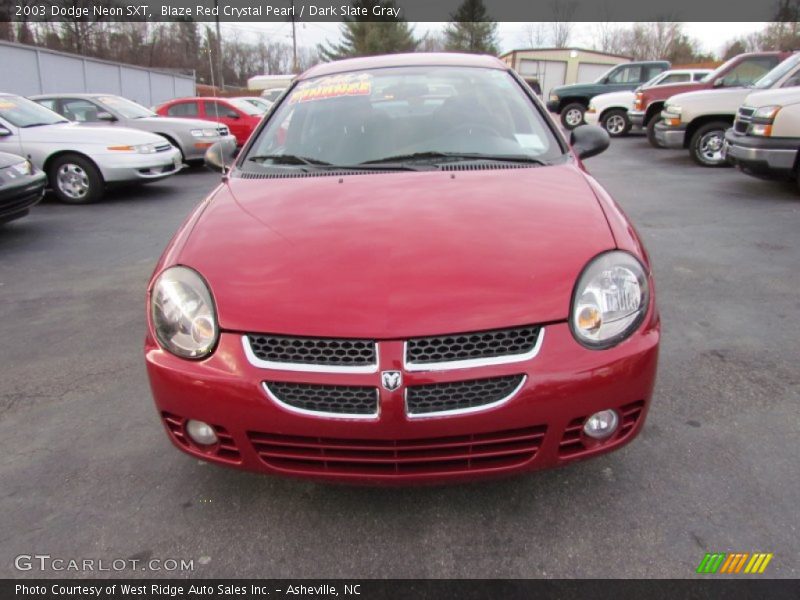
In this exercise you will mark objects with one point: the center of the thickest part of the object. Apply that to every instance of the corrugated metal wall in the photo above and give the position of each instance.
(28, 70)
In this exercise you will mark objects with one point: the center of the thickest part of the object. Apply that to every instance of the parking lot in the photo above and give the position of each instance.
(87, 471)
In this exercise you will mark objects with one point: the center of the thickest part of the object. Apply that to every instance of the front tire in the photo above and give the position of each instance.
(75, 180)
(572, 115)
(616, 122)
(705, 147)
(651, 133)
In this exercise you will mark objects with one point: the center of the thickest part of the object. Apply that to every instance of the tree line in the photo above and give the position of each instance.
(190, 46)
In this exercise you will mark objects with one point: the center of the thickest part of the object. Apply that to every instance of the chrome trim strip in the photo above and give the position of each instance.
(472, 362)
(325, 415)
(463, 411)
(301, 367)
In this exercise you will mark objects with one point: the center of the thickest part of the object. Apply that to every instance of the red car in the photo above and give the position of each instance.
(239, 115)
(406, 276)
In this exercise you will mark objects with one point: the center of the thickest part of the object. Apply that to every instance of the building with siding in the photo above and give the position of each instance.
(29, 70)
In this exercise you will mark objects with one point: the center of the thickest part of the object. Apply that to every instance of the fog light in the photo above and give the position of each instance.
(201, 433)
(601, 424)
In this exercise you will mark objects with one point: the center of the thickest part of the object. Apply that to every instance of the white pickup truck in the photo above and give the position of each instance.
(765, 138)
(698, 120)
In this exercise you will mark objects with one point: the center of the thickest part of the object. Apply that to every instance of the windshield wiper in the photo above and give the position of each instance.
(455, 156)
(289, 159)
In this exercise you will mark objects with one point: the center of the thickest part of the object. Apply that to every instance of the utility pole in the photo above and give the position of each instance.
(219, 48)
(294, 43)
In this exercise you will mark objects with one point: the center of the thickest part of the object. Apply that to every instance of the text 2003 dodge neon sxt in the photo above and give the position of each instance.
(407, 276)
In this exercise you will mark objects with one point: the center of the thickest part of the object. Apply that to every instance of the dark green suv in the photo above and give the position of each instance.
(571, 101)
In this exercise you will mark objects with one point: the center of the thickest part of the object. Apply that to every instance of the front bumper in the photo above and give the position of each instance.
(670, 137)
(761, 155)
(195, 149)
(17, 200)
(552, 106)
(591, 118)
(131, 167)
(564, 384)
(636, 118)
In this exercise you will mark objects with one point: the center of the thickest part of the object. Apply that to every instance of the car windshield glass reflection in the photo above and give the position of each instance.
(22, 112)
(406, 114)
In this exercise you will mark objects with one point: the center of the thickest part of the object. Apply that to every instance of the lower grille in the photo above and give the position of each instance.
(225, 449)
(573, 441)
(341, 400)
(459, 396)
(454, 454)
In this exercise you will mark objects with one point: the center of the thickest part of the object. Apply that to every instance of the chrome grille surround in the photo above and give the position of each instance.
(355, 365)
(481, 361)
(295, 398)
(467, 395)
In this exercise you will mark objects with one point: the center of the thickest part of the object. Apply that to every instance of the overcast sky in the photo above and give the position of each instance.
(712, 36)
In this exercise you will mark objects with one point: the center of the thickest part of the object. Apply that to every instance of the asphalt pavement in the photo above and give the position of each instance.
(87, 471)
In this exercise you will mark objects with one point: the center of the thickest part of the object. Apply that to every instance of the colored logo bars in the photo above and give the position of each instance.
(741, 562)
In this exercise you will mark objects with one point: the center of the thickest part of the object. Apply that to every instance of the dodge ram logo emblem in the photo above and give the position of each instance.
(391, 380)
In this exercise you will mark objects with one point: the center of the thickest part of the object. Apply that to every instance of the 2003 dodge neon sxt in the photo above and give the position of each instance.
(406, 276)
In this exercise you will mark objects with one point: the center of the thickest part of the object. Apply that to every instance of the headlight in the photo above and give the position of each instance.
(204, 132)
(183, 313)
(760, 129)
(553, 97)
(673, 109)
(141, 148)
(21, 169)
(766, 112)
(609, 301)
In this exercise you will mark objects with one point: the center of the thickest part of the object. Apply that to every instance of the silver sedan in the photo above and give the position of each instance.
(81, 161)
(191, 136)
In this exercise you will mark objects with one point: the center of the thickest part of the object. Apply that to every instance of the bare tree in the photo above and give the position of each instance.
(562, 24)
(534, 35)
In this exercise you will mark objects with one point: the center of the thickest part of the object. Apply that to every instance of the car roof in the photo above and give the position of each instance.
(70, 95)
(417, 59)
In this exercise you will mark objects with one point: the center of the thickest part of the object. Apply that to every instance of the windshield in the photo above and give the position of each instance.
(771, 78)
(245, 106)
(602, 78)
(22, 112)
(128, 109)
(375, 115)
(719, 70)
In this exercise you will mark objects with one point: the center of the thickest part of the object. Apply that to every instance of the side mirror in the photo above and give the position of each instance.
(106, 116)
(220, 155)
(718, 83)
(4, 132)
(589, 140)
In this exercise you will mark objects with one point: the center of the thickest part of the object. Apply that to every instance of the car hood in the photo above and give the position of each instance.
(665, 91)
(396, 255)
(576, 88)
(176, 123)
(75, 133)
(781, 97)
(716, 101)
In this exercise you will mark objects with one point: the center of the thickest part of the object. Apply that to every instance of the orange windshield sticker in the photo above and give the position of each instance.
(333, 87)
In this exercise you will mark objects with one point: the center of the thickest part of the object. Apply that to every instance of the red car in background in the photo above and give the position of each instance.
(431, 288)
(740, 71)
(240, 116)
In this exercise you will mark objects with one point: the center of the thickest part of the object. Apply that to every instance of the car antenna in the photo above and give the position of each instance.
(216, 106)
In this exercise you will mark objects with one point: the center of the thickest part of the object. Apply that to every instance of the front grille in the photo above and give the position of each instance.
(743, 119)
(225, 449)
(460, 395)
(222, 131)
(335, 399)
(320, 456)
(472, 346)
(163, 147)
(324, 352)
(573, 442)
